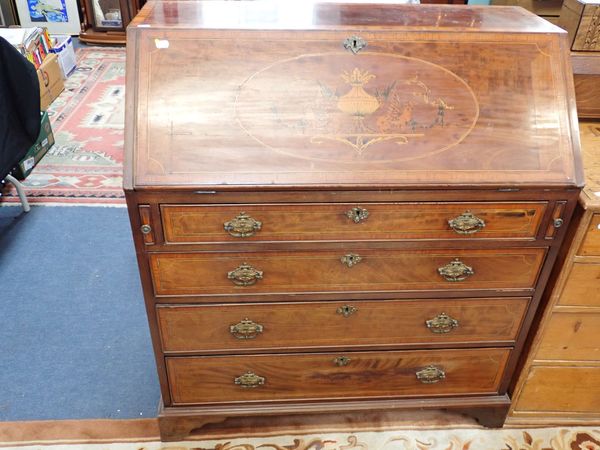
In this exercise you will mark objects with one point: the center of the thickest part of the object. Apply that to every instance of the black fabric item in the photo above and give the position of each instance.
(19, 107)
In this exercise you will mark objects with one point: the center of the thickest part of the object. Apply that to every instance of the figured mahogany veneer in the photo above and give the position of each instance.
(315, 271)
(320, 376)
(343, 221)
(344, 207)
(286, 326)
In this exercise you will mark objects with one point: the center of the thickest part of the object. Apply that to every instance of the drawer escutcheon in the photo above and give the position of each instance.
(246, 329)
(249, 380)
(466, 223)
(242, 226)
(456, 271)
(442, 323)
(350, 260)
(245, 275)
(341, 361)
(430, 375)
(346, 310)
(357, 214)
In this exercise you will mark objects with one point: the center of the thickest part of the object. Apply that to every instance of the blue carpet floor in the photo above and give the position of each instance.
(74, 340)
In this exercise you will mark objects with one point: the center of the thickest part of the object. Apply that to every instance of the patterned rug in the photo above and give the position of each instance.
(450, 439)
(86, 162)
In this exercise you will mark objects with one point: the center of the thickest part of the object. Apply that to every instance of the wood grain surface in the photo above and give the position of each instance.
(317, 271)
(581, 285)
(571, 336)
(276, 108)
(562, 390)
(200, 329)
(591, 242)
(281, 222)
(197, 380)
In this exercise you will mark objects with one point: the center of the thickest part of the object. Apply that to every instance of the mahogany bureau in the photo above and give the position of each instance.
(344, 207)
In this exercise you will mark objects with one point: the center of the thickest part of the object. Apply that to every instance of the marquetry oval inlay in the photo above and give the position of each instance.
(373, 107)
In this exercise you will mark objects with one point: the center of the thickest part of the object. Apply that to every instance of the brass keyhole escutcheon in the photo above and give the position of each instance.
(357, 214)
(341, 361)
(350, 260)
(354, 44)
(346, 310)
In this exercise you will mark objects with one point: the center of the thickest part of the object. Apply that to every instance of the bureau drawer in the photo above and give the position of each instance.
(350, 221)
(353, 375)
(232, 328)
(217, 273)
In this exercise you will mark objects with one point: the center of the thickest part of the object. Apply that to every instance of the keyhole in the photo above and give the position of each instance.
(354, 43)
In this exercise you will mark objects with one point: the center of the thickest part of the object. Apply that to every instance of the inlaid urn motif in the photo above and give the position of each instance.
(358, 102)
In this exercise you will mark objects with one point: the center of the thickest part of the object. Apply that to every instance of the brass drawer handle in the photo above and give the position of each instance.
(341, 361)
(346, 310)
(456, 271)
(350, 260)
(357, 214)
(466, 223)
(246, 329)
(442, 323)
(430, 375)
(249, 380)
(146, 229)
(242, 226)
(245, 275)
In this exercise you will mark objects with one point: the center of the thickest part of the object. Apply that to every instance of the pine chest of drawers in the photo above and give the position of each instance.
(344, 207)
(560, 380)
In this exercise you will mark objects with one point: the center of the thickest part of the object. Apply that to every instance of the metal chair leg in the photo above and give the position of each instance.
(20, 191)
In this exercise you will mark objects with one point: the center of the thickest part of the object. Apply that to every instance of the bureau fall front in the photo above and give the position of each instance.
(344, 207)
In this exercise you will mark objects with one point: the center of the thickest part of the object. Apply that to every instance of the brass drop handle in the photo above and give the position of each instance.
(242, 226)
(350, 260)
(430, 374)
(245, 275)
(456, 271)
(341, 361)
(246, 329)
(466, 223)
(357, 214)
(249, 380)
(442, 323)
(346, 310)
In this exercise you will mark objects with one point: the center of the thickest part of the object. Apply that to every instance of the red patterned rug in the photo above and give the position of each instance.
(86, 162)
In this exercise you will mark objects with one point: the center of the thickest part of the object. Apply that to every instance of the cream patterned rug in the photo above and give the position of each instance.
(444, 439)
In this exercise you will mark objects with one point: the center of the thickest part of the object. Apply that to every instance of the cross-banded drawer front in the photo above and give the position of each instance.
(231, 328)
(214, 273)
(350, 221)
(269, 378)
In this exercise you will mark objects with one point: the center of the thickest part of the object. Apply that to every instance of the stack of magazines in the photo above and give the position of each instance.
(33, 43)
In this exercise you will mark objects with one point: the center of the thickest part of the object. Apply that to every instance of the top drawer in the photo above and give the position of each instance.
(349, 221)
